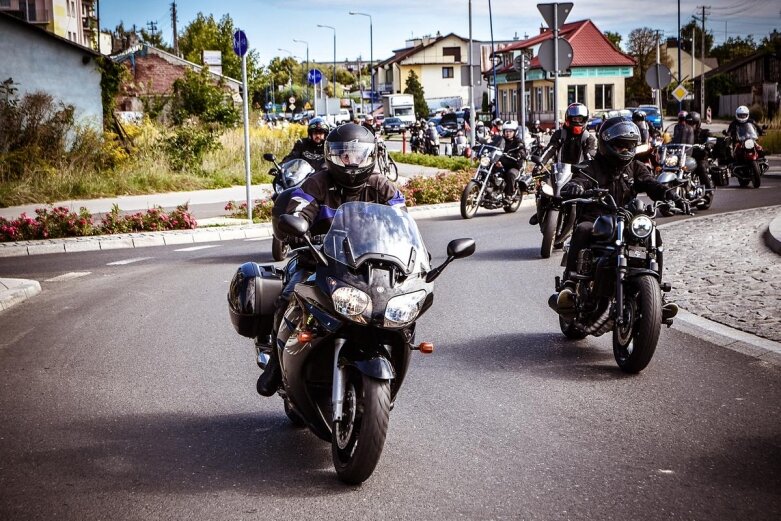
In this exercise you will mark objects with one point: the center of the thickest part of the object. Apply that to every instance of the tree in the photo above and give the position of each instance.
(155, 39)
(614, 38)
(686, 37)
(642, 46)
(734, 48)
(414, 87)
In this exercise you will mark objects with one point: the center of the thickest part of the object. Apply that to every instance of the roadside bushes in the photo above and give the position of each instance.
(261, 210)
(444, 187)
(444, 162)
(53, 223)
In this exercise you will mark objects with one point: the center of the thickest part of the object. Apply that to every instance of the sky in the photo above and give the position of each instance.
(274, 24)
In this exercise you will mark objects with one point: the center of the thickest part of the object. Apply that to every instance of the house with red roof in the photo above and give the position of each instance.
(595, 78)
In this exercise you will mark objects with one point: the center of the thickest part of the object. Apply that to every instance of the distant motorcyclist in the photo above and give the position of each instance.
(682, 133)
(742, 117)
(535, 127)
(496, 127)
(572, 143)
(350, 155)
(638, 118)
(515, 153)
(432, 137)
(700, 154)
(612, 168)
(310, 148)
(481, 133)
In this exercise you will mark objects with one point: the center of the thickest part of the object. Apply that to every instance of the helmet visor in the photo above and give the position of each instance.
(577, 120)
(351, 154)
(625, 131)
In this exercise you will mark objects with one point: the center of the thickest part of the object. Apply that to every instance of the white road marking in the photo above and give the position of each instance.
(69, 276)
(196, 248)
(128, 261)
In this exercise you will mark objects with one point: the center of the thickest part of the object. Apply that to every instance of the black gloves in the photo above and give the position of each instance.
(572, 190)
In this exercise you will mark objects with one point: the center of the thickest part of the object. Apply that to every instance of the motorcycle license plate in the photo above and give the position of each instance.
(636, 252)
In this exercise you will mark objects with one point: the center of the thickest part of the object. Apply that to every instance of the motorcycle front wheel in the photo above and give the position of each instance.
(358, 439)
(756, 174)
(549, 224)
(279, 249)
(469, 200)
(517, 200)
(634, 343)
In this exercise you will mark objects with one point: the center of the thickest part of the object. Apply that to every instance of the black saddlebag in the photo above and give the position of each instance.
(251, 296)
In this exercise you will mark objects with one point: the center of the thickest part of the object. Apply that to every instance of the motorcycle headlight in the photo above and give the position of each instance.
(351, 302)
(642, 226)
(547, 189)
(485, 161)
(749, 143)
(403, 309)
(671, 161)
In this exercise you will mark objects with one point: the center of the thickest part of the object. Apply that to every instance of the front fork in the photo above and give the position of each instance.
(338, 388)
(621, 266)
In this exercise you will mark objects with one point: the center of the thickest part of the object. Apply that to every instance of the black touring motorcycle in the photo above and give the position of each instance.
(345, 340)
(618, 282)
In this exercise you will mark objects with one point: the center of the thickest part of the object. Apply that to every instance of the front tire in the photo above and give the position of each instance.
(635, 343)
(392, 171)
(358, 439)
(549, 224)
(756, 174)
(517, 200)
(279, 249)
(469, 200)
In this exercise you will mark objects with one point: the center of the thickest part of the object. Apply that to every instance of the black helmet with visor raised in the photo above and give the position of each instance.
(350, 155)
(617, 139)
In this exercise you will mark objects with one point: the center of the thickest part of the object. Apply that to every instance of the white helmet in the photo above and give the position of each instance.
(510, 125)
(741, 114)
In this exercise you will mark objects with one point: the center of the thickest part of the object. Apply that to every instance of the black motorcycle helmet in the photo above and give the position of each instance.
(350, 155)
(317, 125)
(617, 140)
(682, 116)
(693, 119)
(638, 116)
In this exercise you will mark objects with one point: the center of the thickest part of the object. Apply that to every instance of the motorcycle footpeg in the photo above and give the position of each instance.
(666, 287)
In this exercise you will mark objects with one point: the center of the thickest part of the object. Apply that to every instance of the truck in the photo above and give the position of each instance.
(400, 106)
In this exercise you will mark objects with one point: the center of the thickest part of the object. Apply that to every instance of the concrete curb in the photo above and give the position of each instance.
(722, 335)
(773, 234)
(14, 291)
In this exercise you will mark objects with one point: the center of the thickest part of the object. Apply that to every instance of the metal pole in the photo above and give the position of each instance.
(658, 81)
(702, 66)
(371, 54)
(245, 103)
(471, 84)
(493, 65)
(334, 73)
(556, 65)
(680, 103)
(308, 88)
(523, 92)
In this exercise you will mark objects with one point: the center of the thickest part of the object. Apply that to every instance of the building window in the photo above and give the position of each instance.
(538, 99)
(549, 95)
(576, 94)
(455, 52)
(73, 8)
(447, 72)
(603, 98)
(503, 106)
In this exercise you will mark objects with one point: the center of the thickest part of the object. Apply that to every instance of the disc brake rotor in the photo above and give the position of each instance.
(344, 428)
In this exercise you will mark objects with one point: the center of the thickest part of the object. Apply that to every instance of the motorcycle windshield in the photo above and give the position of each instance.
(746, 131)
(362, 231)
(295, 171)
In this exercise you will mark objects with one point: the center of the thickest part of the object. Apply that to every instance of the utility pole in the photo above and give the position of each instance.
(173, 25)
(680, 104)
(471, 121)
(152, 27)
(702, 64)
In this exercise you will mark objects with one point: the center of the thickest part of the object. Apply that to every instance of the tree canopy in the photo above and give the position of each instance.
(414, 87)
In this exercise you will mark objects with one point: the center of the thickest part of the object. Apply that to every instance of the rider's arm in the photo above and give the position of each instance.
(297, 152)
(591, 147)
(552, 148)
(305, 200)
(646, 182)
(387, 192)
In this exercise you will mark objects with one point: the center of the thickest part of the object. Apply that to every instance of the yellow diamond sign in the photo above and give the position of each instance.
(680, 92)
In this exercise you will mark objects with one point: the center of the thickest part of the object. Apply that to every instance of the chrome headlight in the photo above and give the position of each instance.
(642, 226)
(403, 309)
(671, 161)
(547, 189)
(351, 302)
(749, 143)
(485, 160)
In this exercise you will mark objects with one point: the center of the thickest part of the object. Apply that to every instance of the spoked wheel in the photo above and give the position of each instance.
(357, 440)
(517, 200)
(391, 170)
(571, 329)
(756, 174)
(549, 225)
(279, 249)
(469, 200)
(634, 343)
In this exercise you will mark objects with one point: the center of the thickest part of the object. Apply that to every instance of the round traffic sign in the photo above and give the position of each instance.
(292, 99)
(314, 76)
(240, 43)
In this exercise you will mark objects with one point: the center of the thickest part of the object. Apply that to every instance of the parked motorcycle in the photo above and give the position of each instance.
(346, 338)
(460, 145)
(416, 141)
(677, 173)
(431, 142)
(486, 188)
(619, 282)
(555, 219)
(287, 177)
(749, 163)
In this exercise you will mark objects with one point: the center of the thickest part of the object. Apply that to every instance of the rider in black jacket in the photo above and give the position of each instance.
(700, 153)
(682, 133)
(515, 153)
(310, 148)
(350, 155)
(612, 168)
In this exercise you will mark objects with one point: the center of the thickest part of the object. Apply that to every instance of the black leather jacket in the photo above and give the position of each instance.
(567, 147)
(516, 152)
(309, 151)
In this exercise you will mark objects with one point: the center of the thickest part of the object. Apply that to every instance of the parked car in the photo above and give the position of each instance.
(596, 120)
(393, 126)
(652, 115)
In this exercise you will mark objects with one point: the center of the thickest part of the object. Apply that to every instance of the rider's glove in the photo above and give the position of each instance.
(680, 203)
(572, 190)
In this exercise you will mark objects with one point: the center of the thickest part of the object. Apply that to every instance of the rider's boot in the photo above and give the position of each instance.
(269, 380)
(565, 301)
(534, 219)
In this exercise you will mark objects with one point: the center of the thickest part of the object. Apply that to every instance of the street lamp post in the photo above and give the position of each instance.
(371, 55)
(334, 75)
(307, 66)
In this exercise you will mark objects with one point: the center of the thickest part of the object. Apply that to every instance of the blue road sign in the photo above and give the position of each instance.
(240, 43)
(314, 76)
(269, 106)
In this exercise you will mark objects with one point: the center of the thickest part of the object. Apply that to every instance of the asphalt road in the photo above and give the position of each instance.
(126, 394)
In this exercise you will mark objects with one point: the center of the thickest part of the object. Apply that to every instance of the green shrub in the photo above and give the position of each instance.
(261, 210)
(771, 142)
(453, 164)
(445, 187)
(187, 145)
(196, 95)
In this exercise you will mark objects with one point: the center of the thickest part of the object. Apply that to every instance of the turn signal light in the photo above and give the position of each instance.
(304, 336)
(426, 348)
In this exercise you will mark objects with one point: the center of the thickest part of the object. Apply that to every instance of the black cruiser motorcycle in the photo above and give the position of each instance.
(677, 173)
(618, 282)
(486, 188)
(346, 338)
(287, 177)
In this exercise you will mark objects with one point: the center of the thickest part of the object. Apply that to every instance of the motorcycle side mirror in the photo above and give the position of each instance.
(456, 249)
(537, 160)
(297, 227)
(271, 158)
